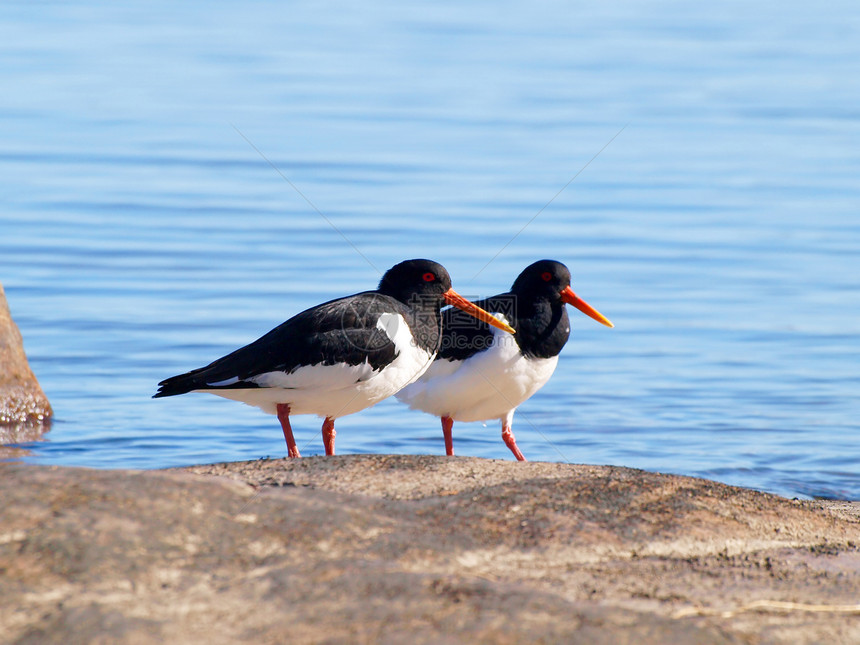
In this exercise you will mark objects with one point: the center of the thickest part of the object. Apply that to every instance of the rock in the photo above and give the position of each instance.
(417, 549)
(24, 408)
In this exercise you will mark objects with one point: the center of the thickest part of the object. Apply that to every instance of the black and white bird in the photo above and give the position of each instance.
(341, 356)
(480, 374)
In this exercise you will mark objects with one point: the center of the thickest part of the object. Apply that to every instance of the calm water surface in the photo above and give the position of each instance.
(145, 232)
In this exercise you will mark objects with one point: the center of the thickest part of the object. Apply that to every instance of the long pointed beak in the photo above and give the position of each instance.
(454, 298)
(568, 296)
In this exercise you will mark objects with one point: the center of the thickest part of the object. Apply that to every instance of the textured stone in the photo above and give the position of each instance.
(24, 408)
(417, 549)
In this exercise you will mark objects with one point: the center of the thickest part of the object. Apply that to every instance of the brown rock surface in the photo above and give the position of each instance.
(24, 408)
(405, 549)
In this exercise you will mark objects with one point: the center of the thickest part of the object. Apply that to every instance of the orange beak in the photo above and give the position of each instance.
(454, 298)
(568, 296)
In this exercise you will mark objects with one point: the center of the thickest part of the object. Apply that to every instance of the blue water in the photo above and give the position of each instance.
(144, 231)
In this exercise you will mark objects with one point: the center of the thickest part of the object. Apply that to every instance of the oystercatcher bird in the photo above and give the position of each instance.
(341, 356)
(480, 374)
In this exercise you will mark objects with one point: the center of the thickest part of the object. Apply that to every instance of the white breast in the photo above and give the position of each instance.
(488, 385)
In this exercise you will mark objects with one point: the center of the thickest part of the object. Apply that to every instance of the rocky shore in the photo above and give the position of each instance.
(418, 549)
(24, 409)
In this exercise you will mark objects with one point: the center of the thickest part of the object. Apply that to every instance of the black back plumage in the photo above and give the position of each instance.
(533, 307)
(339, 331)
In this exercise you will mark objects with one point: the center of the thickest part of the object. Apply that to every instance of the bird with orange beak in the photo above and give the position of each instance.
(479, 374)
(342, 356)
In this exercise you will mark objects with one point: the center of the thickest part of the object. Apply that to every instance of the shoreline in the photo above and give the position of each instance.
(370, 548)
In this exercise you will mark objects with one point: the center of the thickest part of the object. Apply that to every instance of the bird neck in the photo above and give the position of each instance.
(424, 317)
(542, 326)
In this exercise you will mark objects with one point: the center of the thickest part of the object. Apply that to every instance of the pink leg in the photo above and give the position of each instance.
(328, 434)
(447, 425)
(284, 418)
(510, 441)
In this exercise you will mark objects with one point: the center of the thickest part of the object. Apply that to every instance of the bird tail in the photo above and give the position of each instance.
(180, 384)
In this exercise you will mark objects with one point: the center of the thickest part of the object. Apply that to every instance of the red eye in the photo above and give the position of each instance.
(546, 276)
(429, 277)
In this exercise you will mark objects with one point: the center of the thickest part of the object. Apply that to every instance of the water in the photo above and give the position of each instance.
(144, 232)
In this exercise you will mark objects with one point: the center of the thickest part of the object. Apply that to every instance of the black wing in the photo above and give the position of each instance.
(339, 331)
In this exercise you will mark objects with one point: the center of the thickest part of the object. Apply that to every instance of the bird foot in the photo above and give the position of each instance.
(284, 417)
(447, 425)
(511, 442)
(328, 434)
